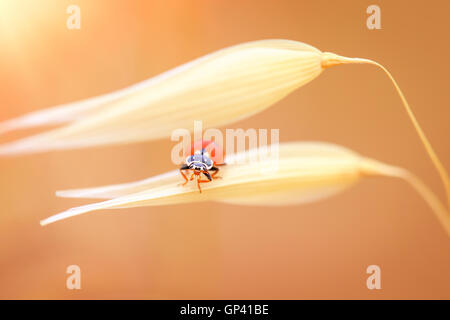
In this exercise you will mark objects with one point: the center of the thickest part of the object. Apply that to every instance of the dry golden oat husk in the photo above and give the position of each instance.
(306, 172)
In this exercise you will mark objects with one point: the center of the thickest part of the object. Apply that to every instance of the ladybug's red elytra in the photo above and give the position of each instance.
(204, 157)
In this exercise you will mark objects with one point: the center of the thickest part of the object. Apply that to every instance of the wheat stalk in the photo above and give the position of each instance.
(307, 172)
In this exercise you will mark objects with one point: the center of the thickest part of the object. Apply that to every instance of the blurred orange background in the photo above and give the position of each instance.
(211, 250)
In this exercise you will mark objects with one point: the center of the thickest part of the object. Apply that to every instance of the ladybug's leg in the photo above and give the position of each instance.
(201, 181)
(216, 171)
(184, 176)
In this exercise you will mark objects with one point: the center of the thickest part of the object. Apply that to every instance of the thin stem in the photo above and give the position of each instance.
(331, 59)
(370, 166)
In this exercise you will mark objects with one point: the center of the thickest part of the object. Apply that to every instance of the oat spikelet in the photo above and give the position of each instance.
(223, 87)
(308, 171)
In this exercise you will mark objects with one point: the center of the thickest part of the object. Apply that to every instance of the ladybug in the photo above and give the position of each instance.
(204, 157)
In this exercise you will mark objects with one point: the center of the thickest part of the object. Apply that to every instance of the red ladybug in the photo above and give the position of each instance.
(204, 157)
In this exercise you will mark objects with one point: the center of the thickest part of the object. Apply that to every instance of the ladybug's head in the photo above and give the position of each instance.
(199, 161)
